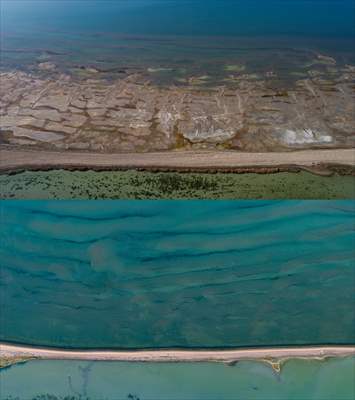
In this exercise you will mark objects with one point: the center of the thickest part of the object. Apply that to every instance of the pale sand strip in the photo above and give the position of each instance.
(12, 159)
(15, 351)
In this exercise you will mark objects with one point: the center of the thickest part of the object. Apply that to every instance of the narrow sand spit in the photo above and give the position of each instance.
(9, 351)
(12, 159)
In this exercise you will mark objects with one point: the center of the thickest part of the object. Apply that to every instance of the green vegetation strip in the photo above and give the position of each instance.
(60, 184)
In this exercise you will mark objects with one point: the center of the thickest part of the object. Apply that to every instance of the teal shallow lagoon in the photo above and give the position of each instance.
(150, 274)
(299, 379)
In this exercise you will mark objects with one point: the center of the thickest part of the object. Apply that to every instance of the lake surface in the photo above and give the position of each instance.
(187, 17)
(64, 185)
(179, 38)
(299, 379)
(149, 274)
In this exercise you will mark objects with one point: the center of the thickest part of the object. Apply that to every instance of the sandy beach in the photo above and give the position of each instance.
(13, 159)
(17, 351)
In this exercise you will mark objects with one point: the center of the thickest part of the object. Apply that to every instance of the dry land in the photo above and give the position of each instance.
(11, 160)
(18, 352)
(47, 109)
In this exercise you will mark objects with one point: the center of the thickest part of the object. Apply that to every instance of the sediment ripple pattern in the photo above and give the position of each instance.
(126, 274)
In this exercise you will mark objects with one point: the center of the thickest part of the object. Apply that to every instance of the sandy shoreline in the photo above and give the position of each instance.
(15, 160)
(15, 351)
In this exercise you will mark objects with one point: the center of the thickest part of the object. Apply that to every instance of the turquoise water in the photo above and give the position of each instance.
(189, 37)
(299, 379)
(127, 274)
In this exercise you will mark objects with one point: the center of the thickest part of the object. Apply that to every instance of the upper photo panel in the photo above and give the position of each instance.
(170, 99)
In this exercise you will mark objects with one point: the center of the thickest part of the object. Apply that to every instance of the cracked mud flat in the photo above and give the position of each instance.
(51, 110)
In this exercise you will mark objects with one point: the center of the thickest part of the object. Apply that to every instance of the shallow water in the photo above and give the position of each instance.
(299, 379)
(65, 185)
(177, 273)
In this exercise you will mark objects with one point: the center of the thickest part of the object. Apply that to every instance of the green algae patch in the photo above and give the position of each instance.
(60, 184)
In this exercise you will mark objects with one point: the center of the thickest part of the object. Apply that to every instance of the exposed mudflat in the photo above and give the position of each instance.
(174, 355)
(12, 159)
(46, 109)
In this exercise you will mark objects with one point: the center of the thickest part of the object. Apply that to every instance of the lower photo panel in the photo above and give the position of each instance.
(131, 276)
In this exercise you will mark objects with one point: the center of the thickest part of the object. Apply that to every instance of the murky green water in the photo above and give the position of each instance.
(298, 380)
(61, 184)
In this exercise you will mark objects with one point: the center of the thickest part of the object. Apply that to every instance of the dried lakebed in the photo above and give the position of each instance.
(51, 110)
(61, 184)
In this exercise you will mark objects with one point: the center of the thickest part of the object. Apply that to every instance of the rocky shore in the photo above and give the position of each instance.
(56, 111)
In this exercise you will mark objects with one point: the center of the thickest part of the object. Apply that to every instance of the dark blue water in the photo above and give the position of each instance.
(330, 18)
(192, 36)
(126, 274)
